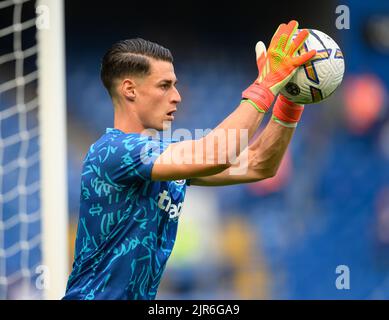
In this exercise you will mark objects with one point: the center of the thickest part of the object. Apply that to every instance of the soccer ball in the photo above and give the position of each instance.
(318, 79)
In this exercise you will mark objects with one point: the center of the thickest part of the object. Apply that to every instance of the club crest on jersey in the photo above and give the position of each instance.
(165, 204)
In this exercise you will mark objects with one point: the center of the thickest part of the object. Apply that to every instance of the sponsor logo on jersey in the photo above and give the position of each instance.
(165, 203)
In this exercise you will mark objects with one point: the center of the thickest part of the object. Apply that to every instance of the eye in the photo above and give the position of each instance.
(165, 86)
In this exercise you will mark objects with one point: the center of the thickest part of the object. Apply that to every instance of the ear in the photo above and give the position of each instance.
(127, 88)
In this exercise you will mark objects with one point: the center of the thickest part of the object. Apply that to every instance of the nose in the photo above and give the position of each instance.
(176, 97)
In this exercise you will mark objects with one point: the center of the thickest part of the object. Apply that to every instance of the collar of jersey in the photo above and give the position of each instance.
(113, 130)
(117, 131)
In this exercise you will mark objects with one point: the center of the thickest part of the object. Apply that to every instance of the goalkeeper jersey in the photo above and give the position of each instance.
(127, 223)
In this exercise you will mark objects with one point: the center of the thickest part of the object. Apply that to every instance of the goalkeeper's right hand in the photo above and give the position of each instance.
(277, 66)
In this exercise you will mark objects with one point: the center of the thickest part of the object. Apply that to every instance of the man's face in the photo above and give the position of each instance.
(157, 96)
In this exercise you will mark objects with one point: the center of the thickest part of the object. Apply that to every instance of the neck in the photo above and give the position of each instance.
(126, 120)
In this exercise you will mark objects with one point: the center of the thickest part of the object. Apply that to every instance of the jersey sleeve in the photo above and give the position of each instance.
(130, 158)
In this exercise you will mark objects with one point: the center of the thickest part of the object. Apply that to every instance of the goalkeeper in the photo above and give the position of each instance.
(132, 191)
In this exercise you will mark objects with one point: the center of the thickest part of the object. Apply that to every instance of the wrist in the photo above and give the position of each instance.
(259, 95)
(286, 112)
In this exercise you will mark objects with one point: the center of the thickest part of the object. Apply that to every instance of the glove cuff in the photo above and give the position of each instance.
(287, 111)
(260, 95)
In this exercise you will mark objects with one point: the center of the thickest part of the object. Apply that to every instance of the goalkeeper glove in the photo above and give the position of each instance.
(277, 66)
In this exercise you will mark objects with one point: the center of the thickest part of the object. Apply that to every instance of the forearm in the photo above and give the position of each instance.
(259, 161)
(232, 135)
(268, 150)
(244, 117)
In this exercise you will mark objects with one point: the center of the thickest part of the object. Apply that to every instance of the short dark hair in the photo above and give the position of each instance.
(129, 57)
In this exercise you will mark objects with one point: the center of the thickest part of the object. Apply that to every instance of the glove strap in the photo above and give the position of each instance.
(261, 96)
(287, 113)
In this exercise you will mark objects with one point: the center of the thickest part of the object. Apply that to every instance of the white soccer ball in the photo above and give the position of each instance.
(318, 79)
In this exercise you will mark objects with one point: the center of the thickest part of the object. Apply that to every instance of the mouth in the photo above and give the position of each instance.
(170, 114)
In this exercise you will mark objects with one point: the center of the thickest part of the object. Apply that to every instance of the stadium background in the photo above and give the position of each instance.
(282, 238)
